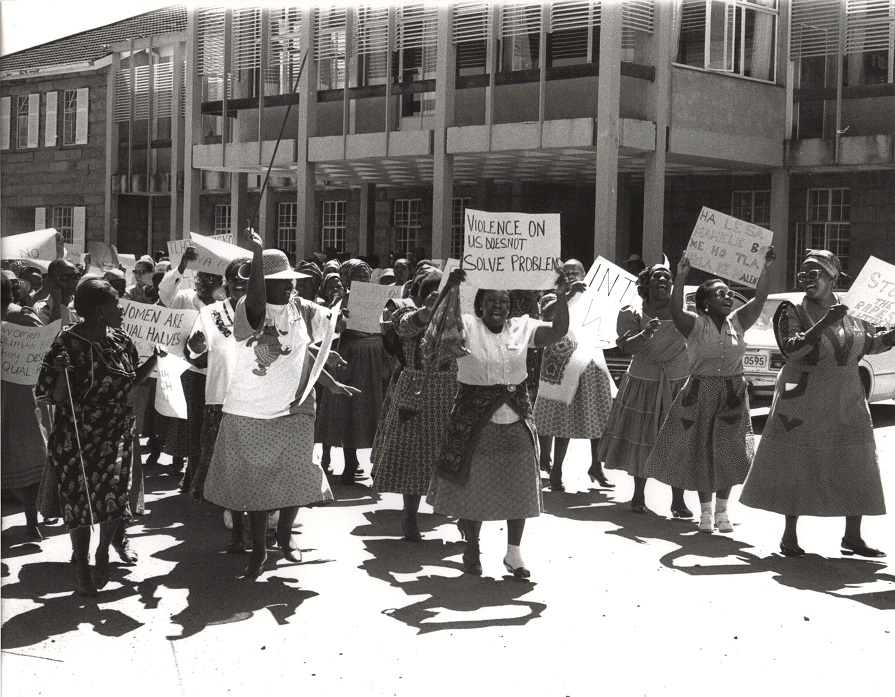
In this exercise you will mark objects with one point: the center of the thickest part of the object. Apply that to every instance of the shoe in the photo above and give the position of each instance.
(51, 521)
(125, 553)
(410, 528)
(472, 558)
(596, 475)
(85, 585)
(519, 572)
(556, 482)
(33, 534)
(639, 508)
(255, 567)
(681, 512)
(705, 522)
(791, 551)
(236, 547)
(101, 572)
(290, 550)
(723, 522)
(849, 549)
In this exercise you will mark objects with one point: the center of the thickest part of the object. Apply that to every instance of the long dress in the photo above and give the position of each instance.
(101, 379)
(817, 455)
(656, 375)
(412, 425)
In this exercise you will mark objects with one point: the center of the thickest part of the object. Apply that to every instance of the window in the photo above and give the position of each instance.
(407, 224)
(287, 225)
(520, 36)
(458, 210)
(221, 218)
(74, 117)
(752, 206)
(27, 120)
(738, 37)
(63, 221)
(69, 220)
(828, 215)
(333, 235)
(869, 42)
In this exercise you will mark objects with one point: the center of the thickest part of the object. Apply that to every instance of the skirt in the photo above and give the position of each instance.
(588, 413)
(195, 476)
(634, 423)
(184, 437)
(706, 442)
(351, 422)
(24, 437)
(411, 431)
(504, 479)
(265, 464)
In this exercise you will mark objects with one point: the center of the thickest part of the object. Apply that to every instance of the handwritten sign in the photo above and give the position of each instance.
(365, 304)
(40, 244)
(214, 255)
(872, 295)
(177, 247)
(323, 353)
(594, 314)
(728, 247)
(129, 262)
(511, 250)
(169, 397)
(23, 350)
(103, 257)
(150, 325)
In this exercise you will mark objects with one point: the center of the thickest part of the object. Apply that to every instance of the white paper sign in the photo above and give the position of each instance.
(365, 304)
(175, 253)
(151, 325)
(594, 315)
(323, 353)
(213, 255)
(729, 247)
(23, 350)
(40, 244)
(511, 250)
(872, 295)
(129, 262)
(169, 397)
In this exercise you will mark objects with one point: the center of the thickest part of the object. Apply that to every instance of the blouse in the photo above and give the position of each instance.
(716, 353)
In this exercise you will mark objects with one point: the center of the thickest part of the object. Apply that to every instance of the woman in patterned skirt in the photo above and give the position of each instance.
(488, 466)
(410, 431)
(90, 447)
(817, 454)
(574, 393)
(706, 442)
(657, 373)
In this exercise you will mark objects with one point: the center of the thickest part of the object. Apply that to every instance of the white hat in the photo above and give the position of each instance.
(276, 265)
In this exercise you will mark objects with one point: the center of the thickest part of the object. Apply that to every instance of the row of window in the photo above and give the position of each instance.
(20, 119)
(71, 221)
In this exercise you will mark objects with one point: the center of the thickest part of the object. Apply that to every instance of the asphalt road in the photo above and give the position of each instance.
(618, 603)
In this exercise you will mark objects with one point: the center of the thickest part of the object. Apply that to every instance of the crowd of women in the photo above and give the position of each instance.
(471, 432)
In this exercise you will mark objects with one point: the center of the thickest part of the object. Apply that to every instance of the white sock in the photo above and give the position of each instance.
(514, 556)
(720, 505)
(706, 507)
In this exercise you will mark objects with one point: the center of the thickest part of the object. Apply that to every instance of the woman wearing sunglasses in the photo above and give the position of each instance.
(706, 443)
(818, 454)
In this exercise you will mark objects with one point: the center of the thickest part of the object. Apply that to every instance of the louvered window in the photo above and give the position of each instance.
(329, 47)
(371, 44)
(284, 52)
(814, 28)
(869, 25)
(471, 31)
(520, 35)
(27, 120)
(416, 38)
(245, 52)
(574, 33)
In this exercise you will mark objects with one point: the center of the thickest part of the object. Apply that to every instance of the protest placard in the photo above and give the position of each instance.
(511, 250)
(175, 253)
(365, 304)
(169, 397)
(128, 261)
(40, 244)
(872, 295)
(214, 255)
(728, 247)
(593, 315)
(149, 325)
(23, 350)
(323, 352)
(103, 257)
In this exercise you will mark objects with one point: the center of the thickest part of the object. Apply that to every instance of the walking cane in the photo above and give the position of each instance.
(74, 420)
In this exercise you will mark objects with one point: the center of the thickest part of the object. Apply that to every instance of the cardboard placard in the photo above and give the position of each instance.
(40, 244)
(729, 247)
(103, 257)
(169, 397)
(872, 295)
(594, 315)
(511, 250)
(365, 304)
(214, 255)
(23, 350)
(175, 253)
(129, 262)
(151, 325)
(323, 353)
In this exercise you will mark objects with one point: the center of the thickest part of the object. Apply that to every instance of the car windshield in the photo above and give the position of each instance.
(765, 321)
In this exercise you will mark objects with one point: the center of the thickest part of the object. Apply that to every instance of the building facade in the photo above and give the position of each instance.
(370, 129)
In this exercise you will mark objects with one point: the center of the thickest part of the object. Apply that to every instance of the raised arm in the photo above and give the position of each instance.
(683, 319)
(256, 292)
(546, 335)
(750, 312)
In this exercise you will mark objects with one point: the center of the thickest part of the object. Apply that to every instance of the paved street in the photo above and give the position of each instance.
(618, 603)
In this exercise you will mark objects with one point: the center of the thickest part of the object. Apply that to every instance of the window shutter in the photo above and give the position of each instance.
(163, 75)
(33, 120)
(5, 107)
(417, 26)
(245, 46)
(519, 18)
(81, 116)
(79, 228)
(566, 16)
(638, 14)
(330, 32)
(814, 29)
(40, 218)
(472, 21)
(50, 122)
(285, 37)
(869, 24)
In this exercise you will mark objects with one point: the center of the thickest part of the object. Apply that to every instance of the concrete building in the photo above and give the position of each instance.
(383, 124)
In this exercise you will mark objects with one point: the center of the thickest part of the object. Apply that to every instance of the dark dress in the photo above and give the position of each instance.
(101, 379)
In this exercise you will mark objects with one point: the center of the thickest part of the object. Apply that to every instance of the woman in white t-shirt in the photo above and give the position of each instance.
(263, 455)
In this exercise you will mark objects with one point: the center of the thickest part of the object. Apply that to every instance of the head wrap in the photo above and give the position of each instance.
(828, 261)
(644, 277)
(347, 269)
(311, 269)
(325, 282)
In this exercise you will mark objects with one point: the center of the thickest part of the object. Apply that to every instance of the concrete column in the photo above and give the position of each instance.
(110, 200)
(780, 227)
(305, 177)
(192, 135)
(240, 209)
(654, 164)
(443, 170)
(177, 133)
(608, 97)
(366, 219)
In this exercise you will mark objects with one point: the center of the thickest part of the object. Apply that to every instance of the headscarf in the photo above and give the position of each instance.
(332, 266)
(326, 279)
(644, 277)
(312, 270)
(828, 261)
(347, 269)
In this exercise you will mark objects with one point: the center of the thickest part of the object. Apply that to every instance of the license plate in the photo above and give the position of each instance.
(755, 362)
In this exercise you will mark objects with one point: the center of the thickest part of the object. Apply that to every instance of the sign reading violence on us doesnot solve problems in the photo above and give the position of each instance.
(23, 350)
(729, 247)
(511, 250)
(872, 295)
(149, 325)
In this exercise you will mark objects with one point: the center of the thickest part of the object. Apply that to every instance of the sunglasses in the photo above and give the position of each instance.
(811, 275)
(721, 293)
(68, 277)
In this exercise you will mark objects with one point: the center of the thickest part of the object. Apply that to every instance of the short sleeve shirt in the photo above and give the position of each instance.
(716, 353)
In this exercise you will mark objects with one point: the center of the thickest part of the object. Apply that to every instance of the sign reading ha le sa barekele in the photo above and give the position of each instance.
(872, 295)
(729, 247)
(511, 250)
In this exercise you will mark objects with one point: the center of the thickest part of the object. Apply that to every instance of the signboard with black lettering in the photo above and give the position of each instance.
(728, 247)
(593, 315)
(365, 304)
(40, 244)
(511, 250)
(23, 350)
(872, 295)
(149, 325)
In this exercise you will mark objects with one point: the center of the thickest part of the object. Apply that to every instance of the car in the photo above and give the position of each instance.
(763, 359)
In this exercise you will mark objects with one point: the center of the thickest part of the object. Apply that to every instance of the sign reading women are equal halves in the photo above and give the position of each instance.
(729, 247)
(511, 250)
